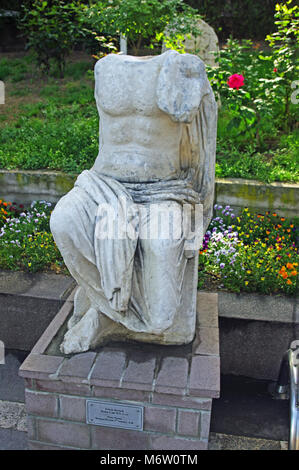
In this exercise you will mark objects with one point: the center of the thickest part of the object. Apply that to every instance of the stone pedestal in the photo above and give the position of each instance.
(173, 386)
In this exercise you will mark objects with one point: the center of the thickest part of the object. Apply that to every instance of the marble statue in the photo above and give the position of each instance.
(158, 120)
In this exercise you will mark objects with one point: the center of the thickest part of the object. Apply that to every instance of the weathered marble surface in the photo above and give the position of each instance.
(158, 120)
(204, 45)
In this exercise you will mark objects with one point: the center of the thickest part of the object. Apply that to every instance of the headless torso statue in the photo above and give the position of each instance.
(158, 120)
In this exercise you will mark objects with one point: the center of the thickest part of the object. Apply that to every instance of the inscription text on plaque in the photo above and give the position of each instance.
(115, 415)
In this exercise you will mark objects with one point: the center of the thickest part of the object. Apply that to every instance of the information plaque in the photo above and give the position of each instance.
(115, 415)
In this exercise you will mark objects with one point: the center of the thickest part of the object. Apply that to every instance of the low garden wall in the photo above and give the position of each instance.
(23, 187)
(255, 332)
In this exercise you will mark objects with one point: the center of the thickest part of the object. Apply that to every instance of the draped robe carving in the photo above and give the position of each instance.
(158, 120)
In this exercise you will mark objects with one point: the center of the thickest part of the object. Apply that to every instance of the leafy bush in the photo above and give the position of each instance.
(141, 21)
(26, 242)
(52, 29)
(285, 45)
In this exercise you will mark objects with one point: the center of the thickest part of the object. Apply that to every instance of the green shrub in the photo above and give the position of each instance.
(52, 29)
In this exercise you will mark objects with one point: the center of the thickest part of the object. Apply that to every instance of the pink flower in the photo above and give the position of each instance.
(235, 81)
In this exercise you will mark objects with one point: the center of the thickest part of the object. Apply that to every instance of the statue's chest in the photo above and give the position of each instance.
(128, 87)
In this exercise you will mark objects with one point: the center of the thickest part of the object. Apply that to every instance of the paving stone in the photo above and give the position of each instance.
(38, 285)
(108, 368)
(10, 414)
(22, 422)
(173, 375)
(34, 445)
(11, 385)
(78, 365)
(140, 372)
(208, 343)
(63, 387)
(121, 394)
(230, 442)
(205, 376)
(207, 309)
(10, 439)
(40, 366)
(173, 443)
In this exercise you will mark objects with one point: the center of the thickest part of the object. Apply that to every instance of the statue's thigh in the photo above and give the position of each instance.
(72, 222)
(161, 233)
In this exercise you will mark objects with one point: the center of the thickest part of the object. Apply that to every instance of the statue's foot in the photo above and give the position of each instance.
(81, 306)
(82, 336)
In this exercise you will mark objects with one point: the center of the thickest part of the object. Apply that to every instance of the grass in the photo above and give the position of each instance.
(53, 124)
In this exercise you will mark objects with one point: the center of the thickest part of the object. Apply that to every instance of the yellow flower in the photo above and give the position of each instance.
(246, 283)
(262, 278)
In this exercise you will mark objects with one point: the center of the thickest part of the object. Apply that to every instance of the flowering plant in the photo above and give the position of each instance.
(26, 242)
(253, 253)
(235, 81)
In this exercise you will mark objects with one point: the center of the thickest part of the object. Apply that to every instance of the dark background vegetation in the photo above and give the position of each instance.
(237, 18)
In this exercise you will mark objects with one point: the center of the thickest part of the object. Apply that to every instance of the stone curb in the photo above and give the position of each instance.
(30, 299)
(24, 186)
(272, 308)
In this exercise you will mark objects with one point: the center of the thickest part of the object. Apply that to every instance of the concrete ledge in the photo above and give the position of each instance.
(274, 308)
(261, 197)
(255, 332)
(28, 303)
(23, 187)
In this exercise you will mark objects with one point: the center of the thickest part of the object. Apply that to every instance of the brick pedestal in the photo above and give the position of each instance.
(174, 385)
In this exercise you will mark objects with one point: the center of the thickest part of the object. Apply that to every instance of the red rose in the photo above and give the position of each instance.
(275, 70)
(235, 81)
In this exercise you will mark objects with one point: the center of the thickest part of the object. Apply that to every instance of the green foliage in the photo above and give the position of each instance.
(59, 132)
(141, 20)
(266, 95)
(52, 29)
(16, 70)
(285, 46)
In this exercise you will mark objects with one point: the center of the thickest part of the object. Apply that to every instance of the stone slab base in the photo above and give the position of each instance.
(174, 385)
